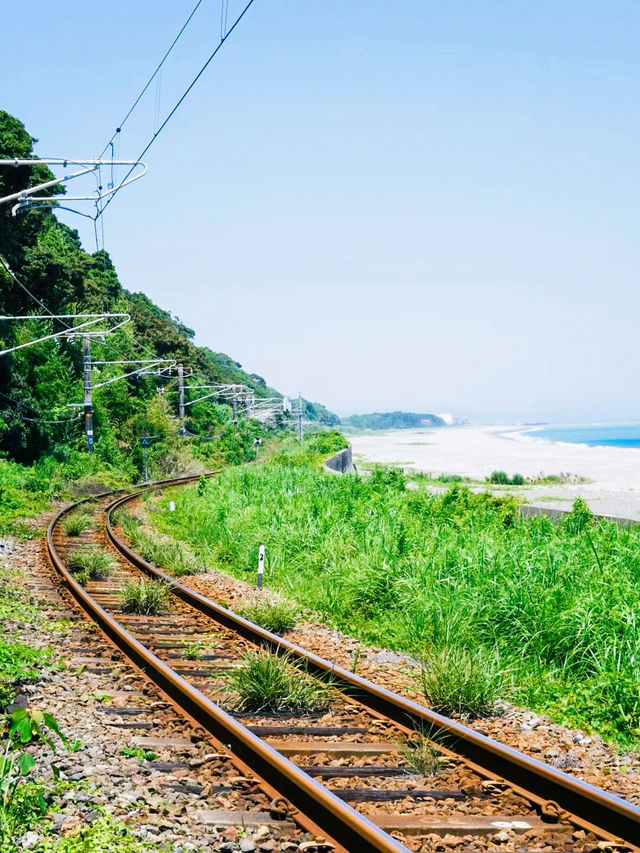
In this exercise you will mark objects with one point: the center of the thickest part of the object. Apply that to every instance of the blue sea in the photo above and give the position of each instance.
(595, 435)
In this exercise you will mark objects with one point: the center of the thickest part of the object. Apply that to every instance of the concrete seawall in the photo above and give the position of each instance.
(341, 462)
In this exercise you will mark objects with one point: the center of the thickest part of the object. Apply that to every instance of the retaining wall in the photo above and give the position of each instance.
(341, 462)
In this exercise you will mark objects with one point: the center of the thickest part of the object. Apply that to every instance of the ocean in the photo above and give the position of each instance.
(595, 435)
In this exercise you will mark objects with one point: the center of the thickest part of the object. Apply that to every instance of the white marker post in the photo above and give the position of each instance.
(260, 566)
(172, 506)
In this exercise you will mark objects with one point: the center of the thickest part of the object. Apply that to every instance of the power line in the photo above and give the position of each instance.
(29, 406)
(179, 102)
(150, 80)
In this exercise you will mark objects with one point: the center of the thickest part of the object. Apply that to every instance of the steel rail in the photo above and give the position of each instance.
(329, 815)
(592, 808)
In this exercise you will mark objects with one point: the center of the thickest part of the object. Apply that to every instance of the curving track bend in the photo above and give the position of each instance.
(341, 778)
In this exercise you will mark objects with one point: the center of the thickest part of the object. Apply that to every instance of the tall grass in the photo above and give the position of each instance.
(159, 551)
(557, 605)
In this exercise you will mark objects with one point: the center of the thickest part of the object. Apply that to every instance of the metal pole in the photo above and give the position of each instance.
(300, 436)
(88, 400)
(234, 402)
(181, 392)
(260, 566)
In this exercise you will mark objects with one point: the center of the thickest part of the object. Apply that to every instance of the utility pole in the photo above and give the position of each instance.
(234, 403)
(88, 400)
(144, 441)
(183, 430)
(181, 392)
(300, 436)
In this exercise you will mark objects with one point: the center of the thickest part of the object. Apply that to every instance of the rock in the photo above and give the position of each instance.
(28, 840)
(247, 845)
(71, 822)
(92, 816)
(228, 847)
(502, 837)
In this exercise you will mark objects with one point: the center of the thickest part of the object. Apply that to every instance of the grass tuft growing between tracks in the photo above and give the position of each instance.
(269, 683)
(422, 756)
(76, 524)
(145, 597)
(91, 563)
(274, 613)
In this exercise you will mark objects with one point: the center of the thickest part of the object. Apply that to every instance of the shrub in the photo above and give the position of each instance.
(518, 480)
(90, 563)
(275, 614)
(145, 597)
(267, 682)
(501, 478)
(456, 681)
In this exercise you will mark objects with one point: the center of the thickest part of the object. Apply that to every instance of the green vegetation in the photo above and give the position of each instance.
(422, 756)
(466, 683)
(137, 752)
(267, 683)
(76, 524)
(162, 553)
(392, 420)
(20, 803)
(274, 613)
(19, 662)
(37, 382)
(90, 563)
(553, 604)
(501, 478)
(145, 597)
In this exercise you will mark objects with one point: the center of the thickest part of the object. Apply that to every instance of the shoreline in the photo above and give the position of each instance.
(612, 474)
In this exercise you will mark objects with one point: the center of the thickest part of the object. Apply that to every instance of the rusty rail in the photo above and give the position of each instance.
(605, 814)
(324, 812)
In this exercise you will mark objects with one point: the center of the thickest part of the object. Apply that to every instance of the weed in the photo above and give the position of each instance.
(456, 681)
(193, 651)
(91, 563)
(137, 752)
(500, 478)
(274, 613)
(422, 756)
(266, 682)
(145, 597)
(77, 523)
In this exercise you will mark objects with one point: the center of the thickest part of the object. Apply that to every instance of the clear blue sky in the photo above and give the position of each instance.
(422, 205)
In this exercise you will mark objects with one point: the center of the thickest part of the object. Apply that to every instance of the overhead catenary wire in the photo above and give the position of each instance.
(152, 78)
(179, 102)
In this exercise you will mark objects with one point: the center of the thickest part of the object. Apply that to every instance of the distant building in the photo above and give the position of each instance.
(447, 417)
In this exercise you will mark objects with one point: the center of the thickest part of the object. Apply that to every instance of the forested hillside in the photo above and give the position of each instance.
(43, 268)
(392, 420)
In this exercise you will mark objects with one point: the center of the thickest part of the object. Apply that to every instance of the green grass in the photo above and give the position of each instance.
(422, 756)
(90, 563)
(161, 552)
(455, 681)
(145, 597)
(19, 662)
(554, 605)
(500, 478)
(76, 524)
(274, 613)
(267, 683)
(137, 752)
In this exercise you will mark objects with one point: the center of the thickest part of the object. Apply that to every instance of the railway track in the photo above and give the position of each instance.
(345, 776)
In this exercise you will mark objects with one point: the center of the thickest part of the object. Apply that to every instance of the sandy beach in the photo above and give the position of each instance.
(476, 451)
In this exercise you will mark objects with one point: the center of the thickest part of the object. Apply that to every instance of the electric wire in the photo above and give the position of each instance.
(178, 103)
(35, 420)
(150, 80)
